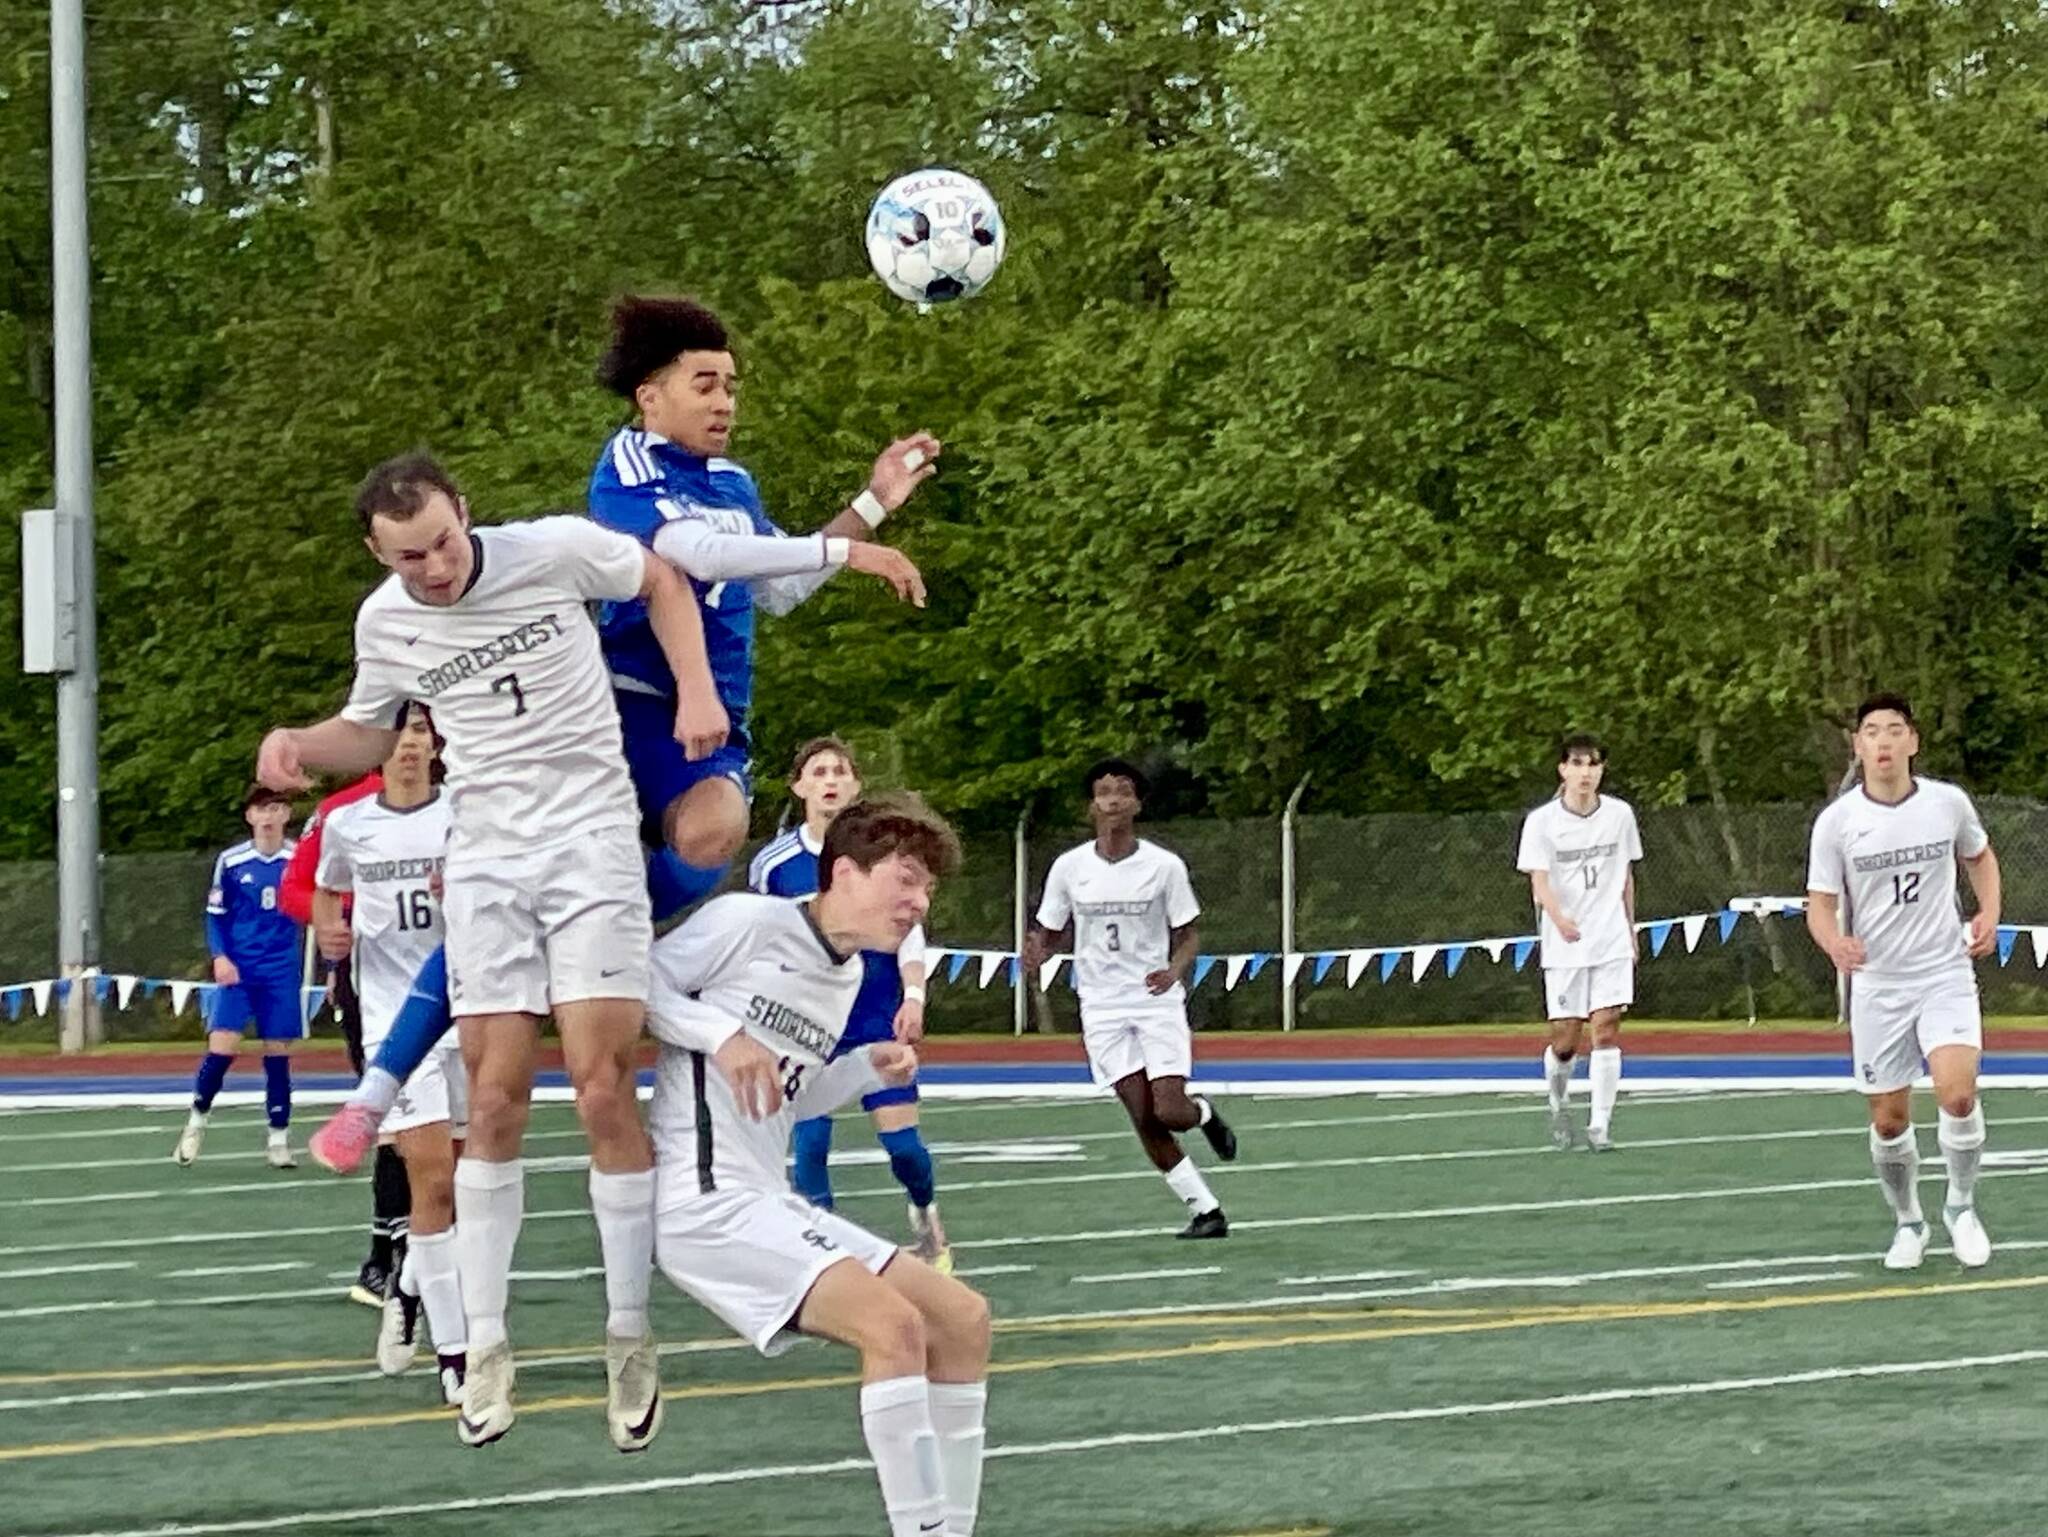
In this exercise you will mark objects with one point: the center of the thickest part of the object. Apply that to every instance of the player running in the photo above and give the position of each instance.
(751, 997)
(890, 1007)
(256, 963)
(1133, 914)
(546, 903)
(383, 856)
(1579, 850)
(1881, 900)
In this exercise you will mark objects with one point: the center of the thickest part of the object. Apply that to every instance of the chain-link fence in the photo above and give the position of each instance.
(1360, 881)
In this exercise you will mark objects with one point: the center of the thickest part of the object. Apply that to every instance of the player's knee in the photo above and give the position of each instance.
(493, 1107)
(603, 1102)
(893, 1333)
(707, 833)
(967, 1323)
(1889, 1123)
(1957, 1103)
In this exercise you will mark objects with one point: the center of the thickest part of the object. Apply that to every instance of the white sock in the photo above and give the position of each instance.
(1557, 1077)
(624, 1207)
(490, 1203)
(1193, 1190)
(957, 1412)
(431, 1257)
(896, 1418)
(377, 1093)
(1603, 1069)
(1898, 1170)
(1962, 1149)
(408, 1274)
(1206, 1111)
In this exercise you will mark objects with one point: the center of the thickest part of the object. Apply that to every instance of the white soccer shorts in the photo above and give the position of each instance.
(752, 1256)
(1579, 992)
(546, 926)
(1154, 1041)
(1893, 1025)
(438, 1090)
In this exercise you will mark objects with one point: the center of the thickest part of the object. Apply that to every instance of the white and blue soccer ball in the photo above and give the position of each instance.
(935, 236)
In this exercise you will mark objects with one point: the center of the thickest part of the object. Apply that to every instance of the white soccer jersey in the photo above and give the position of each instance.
(762, 965)
(1894, 868)
(387, 858)
(514, 677)
(1587, 859)
(1124, 912)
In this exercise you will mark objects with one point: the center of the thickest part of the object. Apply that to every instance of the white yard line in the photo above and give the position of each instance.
(789, 1475)
(49, 1270)
(1147, 1275)
(1782, 1280)
(218, 1270)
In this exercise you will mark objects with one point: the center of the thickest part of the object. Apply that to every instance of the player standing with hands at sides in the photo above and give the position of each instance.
(825, 780)
(1133, 914)
(545, 901)
(1579, 850)
(383, 857)
(751, 997)
(255, 946)
(1881, 900)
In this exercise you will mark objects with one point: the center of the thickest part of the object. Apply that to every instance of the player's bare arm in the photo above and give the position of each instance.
(1539, 887)
(899, 470)
(290, 755)
(1187, 943)
(701, 722)
(1042, 943)
(1985, 882)
(330, 924)
(909, 1021)
(1824, 923)
(1628, 909)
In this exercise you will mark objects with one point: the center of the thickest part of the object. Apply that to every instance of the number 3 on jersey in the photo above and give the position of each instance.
(511, 680)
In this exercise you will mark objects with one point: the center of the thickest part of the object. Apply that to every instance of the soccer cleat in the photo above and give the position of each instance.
(277, 1152)
(398, 1335)
(931, 1245)
(1599, 1140)
(1909, 1247)
(372, 1282)
(345, 1140)
(1966, 1236)
(1221, 1138)
(192, 1139)
(1207, 1224)
(1562, 1135)
(486, 1395)
(452, 1366)
(632, 1373)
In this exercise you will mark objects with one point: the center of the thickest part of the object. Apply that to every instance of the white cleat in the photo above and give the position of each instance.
(278, 1152)
(1599, 1140)
(1967, 1237)
(486, 1395)
(1562, 1136)
(1909, 1247)
(192, 1139)
(632, 1371)
(398, 1333)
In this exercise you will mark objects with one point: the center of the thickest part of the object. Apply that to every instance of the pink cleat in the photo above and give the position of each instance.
(345, 1141)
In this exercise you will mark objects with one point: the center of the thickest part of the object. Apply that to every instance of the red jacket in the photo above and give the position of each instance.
(295, 892)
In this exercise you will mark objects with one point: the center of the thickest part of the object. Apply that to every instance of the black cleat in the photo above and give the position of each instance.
(1208, 1224)
(372, 1281)
(1220, 1136)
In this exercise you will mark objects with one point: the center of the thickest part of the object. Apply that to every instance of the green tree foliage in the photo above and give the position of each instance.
(1373, 391)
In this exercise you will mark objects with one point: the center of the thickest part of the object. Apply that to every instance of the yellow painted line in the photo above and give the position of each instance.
(1524, 1319)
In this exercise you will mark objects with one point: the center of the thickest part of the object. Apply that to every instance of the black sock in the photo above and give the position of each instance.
(391, 1201)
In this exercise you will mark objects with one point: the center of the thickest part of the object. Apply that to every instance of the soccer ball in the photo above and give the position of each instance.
(935, 235)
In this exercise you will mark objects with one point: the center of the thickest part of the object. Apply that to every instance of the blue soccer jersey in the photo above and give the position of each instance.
(787, 866)
(641, 482)
(245, 921)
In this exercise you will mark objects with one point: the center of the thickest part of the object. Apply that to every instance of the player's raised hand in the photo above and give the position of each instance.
(750, 1070)
(892, 566)
(702, 725)
(902, 467)
(277, 761)
(1983, 933)
(1846, 951)
(895, 1063)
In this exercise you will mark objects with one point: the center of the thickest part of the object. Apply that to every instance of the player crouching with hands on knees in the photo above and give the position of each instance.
(749, 998)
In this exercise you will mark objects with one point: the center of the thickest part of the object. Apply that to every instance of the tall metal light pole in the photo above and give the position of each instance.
(78, 690)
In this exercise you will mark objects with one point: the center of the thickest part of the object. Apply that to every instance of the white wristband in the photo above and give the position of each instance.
(870, 508)
(837, 551)
(914, 993)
